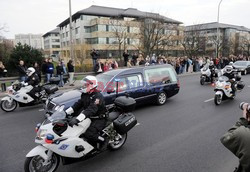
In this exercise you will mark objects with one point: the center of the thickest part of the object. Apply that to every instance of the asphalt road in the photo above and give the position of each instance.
(180, 136)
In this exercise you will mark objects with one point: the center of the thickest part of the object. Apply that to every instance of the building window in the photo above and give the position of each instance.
(89, 29)
(67, 34)
(55, 46)
(107, 28)
(55, 40)
(92, 40)
(128, 41)
(77, 30)
(77, 41)
(107, 40)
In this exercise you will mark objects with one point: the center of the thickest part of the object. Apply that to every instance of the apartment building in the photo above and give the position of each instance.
(233, 39)
(112, 30)
(52, 43)
(33, 40)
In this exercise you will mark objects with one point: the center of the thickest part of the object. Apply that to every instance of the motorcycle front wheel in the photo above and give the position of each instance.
(217, 99)
(202, 81)
(36, 163)
(7, 106)
(118, 142)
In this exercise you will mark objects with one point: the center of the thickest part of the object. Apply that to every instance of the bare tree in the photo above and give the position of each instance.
(194, 41)
(120, 31)
(245, 45)
(3, 28)
(155, 35)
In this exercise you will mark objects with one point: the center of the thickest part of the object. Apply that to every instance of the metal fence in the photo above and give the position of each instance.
(5, 80)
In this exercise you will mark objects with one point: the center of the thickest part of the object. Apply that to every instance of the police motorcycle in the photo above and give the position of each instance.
(208, 75)
(223, 87)
(17, 95)
(58, 141)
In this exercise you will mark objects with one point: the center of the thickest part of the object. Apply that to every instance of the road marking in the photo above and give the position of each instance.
(138, 124)
(209, 100)
(40, 110)
(248, 86)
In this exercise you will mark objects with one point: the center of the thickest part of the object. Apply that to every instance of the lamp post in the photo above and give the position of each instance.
(218, 33)
(70, 33)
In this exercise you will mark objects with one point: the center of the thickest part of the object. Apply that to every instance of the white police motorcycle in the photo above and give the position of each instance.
(17, 94)
(223, 89)
(59, 141)
(206, 75)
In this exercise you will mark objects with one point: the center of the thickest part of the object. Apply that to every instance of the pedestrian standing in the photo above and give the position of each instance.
(44, 69)
(3, 71)
(60, 72)
(38, 71)
(50, 70)
(94, 54)
(71, 71)
(134, 59)
(22, 70)
(125, 57)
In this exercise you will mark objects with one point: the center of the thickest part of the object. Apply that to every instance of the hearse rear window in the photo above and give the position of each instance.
(160, 75)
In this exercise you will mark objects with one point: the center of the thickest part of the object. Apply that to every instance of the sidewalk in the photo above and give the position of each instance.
(77, 83)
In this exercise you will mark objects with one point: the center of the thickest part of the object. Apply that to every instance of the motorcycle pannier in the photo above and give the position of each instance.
(124, 123)
(127, 104)
(50, 89)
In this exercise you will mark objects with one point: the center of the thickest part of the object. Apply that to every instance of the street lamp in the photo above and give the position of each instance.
(70, 33)
(218, 33)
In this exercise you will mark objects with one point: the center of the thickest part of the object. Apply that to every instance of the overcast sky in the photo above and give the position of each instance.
(41, 16)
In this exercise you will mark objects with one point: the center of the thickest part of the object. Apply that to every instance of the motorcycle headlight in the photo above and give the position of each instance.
(41, 134)
(219, 84)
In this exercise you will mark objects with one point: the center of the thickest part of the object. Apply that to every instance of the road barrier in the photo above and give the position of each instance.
(5, 80)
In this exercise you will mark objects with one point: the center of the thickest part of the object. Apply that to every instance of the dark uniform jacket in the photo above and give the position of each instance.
(229, 75)
(33, 80)
(93, 105)
(237, 140)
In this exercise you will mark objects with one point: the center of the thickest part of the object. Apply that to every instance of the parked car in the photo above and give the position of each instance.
(150, 83)
(242, 66)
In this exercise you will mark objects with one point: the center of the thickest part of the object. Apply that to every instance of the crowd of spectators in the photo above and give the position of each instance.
(180, 64)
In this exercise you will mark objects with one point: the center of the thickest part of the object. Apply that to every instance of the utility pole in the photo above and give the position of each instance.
(70, 33)
(218, 33)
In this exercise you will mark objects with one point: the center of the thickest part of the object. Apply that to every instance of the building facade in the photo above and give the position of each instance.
(234, 40)
(113, 30)
(33, 40)
(52, 44)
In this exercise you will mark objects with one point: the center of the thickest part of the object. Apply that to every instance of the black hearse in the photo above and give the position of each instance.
(148, 83)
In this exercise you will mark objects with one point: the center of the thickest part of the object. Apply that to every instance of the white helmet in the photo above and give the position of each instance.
(231, 63)
(228, 69)
(89, 83)
(30, 71)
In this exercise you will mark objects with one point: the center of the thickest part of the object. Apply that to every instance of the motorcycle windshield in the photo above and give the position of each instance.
(57, 115)
(223, 78)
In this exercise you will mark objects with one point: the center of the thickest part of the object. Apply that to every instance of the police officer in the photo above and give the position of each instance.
(212, 69)
(92, 106)
(33, 79)
(229, 72)
(237, 139)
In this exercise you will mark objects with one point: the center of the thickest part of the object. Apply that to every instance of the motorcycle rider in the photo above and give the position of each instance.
(237, 139)
(33, 79)
(93, 106)
(212, 69)
(229, 72)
